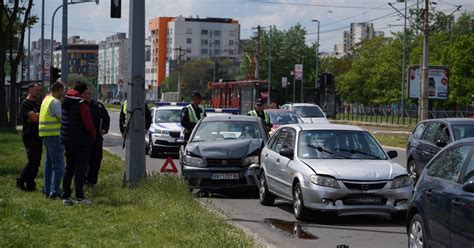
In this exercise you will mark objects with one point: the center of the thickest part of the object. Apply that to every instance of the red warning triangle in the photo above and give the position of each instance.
(169, 161)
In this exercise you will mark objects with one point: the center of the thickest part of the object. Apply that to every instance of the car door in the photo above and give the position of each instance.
(284, 163)
(444, 175)
(462, 212)
(270, 157)
(424, 149)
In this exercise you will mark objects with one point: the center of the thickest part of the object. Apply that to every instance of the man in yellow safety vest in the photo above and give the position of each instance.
(49, 128)
(191, 114)
(258, 112)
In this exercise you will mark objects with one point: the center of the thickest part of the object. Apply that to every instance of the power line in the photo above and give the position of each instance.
(312, 5)
(350, 17)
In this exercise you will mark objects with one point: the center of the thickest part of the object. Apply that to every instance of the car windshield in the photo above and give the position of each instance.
(462, 131)
(309, 111)
(167, 115)
(223, 130)
(338, 144)
(282, 118)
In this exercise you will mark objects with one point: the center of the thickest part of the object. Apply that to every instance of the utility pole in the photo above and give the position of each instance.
(302, 79)
(64, 45)
(294, 87)
(269, 66)
(180, 53)
(402, 113)
(257, 53)
(42, 42)
(423, 104)
(317, 58)
(29, 55)
(135, 168)
(51, 60)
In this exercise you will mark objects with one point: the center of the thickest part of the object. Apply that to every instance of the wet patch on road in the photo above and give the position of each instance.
(292, 228)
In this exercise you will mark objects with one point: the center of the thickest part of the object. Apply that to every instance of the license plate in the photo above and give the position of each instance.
(225, 176)
(368, 199)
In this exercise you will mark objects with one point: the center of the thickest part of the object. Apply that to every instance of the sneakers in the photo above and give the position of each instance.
(84, 201)
(54, 196)
(68, 201)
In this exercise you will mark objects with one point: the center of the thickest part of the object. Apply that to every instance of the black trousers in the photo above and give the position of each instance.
(77, 158)
(94, 161)
(34, 148)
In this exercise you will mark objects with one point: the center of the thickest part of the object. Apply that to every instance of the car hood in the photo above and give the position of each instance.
(355, 169)
(318, 120)
(171, 126)
(224, 149)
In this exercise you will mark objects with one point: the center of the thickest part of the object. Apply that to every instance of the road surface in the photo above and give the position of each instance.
(277, 226)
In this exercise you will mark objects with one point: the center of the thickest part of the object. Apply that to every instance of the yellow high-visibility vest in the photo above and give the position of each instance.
(48, 126)
(192, 114)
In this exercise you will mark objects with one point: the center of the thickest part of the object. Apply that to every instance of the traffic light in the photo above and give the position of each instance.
(115, 8)
(55, 74)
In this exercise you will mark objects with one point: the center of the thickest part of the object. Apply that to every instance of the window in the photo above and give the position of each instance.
(280, 140)
(189, 41)
(430, 132)
(217, 33)
(461, 131)
(271, 142)
(419, 130)
(188, 50)
(204, 32)
(217, 42)
(204, 42)
(469, 172)
(448, 164)
(231, 42)
(203, 51)
(231, 33)
(443, 134)
(189, 31)
(217, 52)
(231, 52)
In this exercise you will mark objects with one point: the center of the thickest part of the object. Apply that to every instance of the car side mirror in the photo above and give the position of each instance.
(392, 154)
(468, 186)
(287, 152)
(440, 143)
(181, 141)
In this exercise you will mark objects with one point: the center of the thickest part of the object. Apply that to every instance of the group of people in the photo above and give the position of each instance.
(70, 127)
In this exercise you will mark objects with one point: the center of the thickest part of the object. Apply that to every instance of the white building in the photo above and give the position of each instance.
(113, 73)
(150, 70)
(359, 31)
(35, 58)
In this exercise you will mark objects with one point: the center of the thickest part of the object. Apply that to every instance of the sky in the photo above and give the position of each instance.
(93, 22)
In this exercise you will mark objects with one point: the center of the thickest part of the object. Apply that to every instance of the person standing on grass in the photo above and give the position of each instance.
(101, 120)
(29, 110)
(77, 134)
(49, 127)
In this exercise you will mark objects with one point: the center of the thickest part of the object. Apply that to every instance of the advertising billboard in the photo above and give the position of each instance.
(438, 82)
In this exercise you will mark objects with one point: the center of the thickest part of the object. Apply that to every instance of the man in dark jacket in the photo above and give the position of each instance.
(191, 114)
(101, 120)
(77, 134)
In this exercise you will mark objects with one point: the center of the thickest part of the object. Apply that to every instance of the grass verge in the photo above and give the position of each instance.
(158, 213)
(395, 140)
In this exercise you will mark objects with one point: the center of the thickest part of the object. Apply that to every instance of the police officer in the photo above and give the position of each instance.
(101, 120)
(123, 120)
(191, 114)
(258, 112)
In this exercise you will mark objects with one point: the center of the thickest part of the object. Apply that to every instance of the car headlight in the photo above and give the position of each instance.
(250, 160)
(194, 161)
(325, 181)
(401, 182)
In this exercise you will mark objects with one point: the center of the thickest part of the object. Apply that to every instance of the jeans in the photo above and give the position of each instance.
(34, 148)
(53, 165)
(77, 159)
(94, 161)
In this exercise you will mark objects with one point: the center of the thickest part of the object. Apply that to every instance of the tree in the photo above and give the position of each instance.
(14, 21)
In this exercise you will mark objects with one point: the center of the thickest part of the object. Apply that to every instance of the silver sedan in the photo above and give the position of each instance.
(332, 168)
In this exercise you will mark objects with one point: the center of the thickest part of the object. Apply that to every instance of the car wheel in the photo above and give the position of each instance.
(152, 150)
(301, 212)
(266, 198)
(416, 232)
(411, 169)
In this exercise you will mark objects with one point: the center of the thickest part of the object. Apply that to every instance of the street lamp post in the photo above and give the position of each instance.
(317, 57)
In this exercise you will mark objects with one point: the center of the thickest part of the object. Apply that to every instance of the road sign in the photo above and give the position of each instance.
(169, 161)
(298, 71)
(284, 82)
(438, 84)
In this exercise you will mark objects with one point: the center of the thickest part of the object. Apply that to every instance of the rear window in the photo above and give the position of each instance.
(419, 130)
(462, 131)
(309, 111)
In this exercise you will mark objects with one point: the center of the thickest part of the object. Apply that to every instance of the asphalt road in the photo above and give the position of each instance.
(276, 225)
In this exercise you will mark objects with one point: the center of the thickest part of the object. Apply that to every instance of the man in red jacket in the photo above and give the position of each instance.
(77, 134)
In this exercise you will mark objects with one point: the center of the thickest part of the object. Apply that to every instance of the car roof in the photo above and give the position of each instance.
(229, 117)
(465, 141)
(303, 104)
(453, 120)
(279, 111)
(168, 108)
(325, 127)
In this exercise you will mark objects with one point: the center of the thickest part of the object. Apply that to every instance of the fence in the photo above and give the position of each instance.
(389, 115)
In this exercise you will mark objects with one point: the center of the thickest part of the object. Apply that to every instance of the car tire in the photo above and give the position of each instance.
(411, 169)
(301, 212)
(266, 198)
(399, 216)
(416, 232)
(152, 150)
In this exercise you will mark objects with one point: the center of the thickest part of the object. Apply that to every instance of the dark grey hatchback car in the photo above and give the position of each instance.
(441, 210)
(430, 136)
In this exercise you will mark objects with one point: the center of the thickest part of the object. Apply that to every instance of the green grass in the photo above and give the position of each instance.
(395, 120)
(396, 140)
(159, 212)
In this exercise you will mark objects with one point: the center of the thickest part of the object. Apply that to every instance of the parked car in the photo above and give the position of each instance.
(332, 168)
(441, 211)
(165, 130)
(221, 150)
(430, 136)
(280, 117)
(310, 113)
